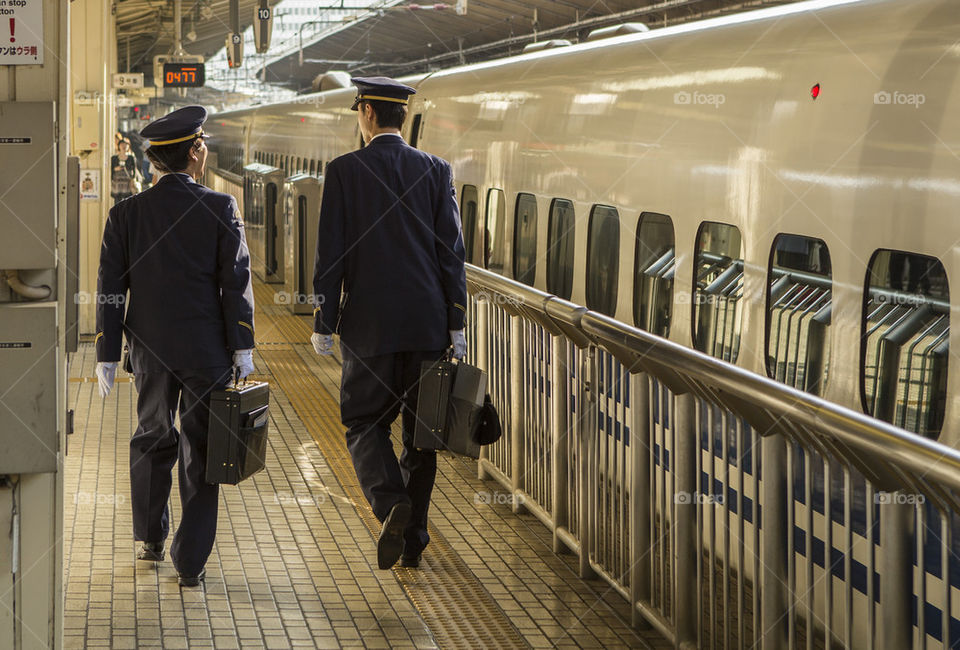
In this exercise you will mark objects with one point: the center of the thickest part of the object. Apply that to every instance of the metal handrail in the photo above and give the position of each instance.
(773, 401)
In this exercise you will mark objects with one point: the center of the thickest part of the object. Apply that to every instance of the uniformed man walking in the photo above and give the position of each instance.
(389, 278)
(179, 249)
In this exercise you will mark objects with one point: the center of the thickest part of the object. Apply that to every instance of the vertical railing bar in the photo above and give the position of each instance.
(523, 398)
(610, 467)
(545, 450)
(808, 546)
(587, 442)
(921, 528)
(870, 505)
(626, 480)
(827, 553)
(667, 531)
(757, 447)
(704, 604)
(530, 431)
(741, 517)
(600, 468)
(483, 362)
(597, 462)
(896, 584)
(687, 444)
(640, 531)
(946, 543)
(531, 466)
(724, 507)
(549, 420)
(848, 558)
(712, 533)
(560, 439)
(660, 478)
(790, 544)
(517, 365)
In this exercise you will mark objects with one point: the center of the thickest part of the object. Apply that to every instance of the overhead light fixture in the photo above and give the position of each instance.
(192, 35)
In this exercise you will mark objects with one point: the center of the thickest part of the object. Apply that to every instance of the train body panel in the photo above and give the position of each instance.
(708, 122)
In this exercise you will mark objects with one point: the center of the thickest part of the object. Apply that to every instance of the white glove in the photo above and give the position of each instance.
(242, 363)
(459, 343)
(106, 373)
(322, 343)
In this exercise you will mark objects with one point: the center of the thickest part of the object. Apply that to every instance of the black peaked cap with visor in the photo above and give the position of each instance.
(179, 126)
(381, 89)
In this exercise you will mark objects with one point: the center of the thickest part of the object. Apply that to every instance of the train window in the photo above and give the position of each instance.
(654, 266)
(798, 312)
(603, 259)
(415, 129)
(468, 219)
(313, 167)
(560, 249)
(494, 237)
(717, 291)
(525, 239)
(905, 342)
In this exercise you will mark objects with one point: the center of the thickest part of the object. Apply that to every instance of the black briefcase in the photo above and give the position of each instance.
(448, 407)
(237, 435)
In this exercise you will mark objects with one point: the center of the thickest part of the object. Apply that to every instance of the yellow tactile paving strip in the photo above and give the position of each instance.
(444, 586)
(275, 324)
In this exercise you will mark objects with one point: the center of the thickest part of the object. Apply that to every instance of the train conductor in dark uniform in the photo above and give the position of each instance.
(389, 278)
(178, 248)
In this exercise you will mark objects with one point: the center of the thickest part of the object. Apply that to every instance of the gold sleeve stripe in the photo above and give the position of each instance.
(97, 337)
(459, 306)
(247, 325)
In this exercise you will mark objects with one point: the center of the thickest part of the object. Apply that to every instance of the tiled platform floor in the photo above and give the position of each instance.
(294, 563)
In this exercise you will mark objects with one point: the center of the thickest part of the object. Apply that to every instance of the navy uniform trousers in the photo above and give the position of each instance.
(373, 391)
(157, 445)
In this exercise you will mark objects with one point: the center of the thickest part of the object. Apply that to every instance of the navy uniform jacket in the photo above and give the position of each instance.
(389, 239)
(179, 248)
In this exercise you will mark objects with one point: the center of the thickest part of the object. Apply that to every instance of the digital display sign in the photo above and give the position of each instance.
(183, 75)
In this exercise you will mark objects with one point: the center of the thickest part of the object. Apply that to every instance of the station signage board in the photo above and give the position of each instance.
(262, 26)
(128, 80)
(21, 32)
(184, 75)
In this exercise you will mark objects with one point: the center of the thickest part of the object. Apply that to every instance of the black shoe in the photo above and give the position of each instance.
(150, 551)
(410, 561)
(191, 581)
(390, 544)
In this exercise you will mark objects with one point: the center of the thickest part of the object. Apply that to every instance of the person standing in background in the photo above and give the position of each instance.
(123, 172)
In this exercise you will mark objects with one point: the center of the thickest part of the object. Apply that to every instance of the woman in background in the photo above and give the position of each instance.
(123, 172)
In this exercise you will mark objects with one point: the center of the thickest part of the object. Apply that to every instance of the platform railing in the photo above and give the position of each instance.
(701, 492)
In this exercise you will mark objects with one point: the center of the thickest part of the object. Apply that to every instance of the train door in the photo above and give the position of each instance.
(303, 192)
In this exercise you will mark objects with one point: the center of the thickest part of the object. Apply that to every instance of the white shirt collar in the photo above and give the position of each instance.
(380, 134)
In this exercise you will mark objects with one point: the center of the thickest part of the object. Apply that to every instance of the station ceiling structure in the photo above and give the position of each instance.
(404, 38)
(390, 37)
(145, 28)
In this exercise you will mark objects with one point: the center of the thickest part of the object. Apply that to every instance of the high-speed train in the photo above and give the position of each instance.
(778, 188)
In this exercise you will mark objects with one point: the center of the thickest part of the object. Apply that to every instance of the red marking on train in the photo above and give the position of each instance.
(815, 91)
(12, 29)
